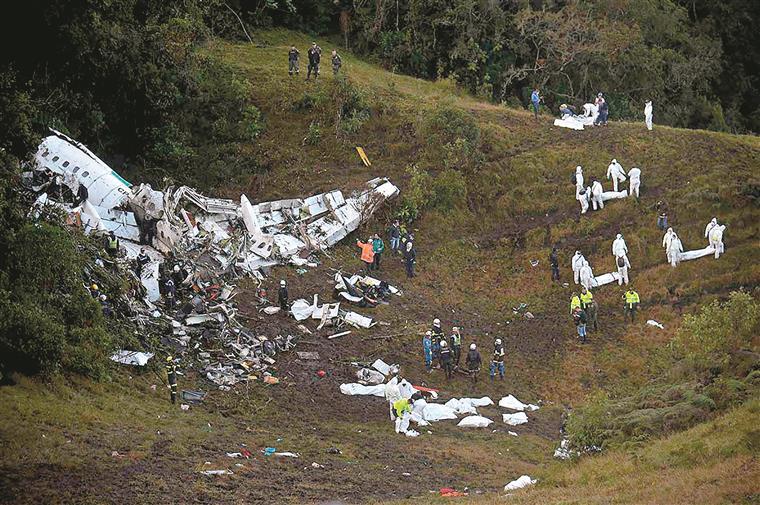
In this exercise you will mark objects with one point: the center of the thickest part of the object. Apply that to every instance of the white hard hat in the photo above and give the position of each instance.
(176, 268)
(473, 347)
(428, 333)
(455, 328)
(436, 321)
(282, 282)
(498, 341)
(614, 160)
(443, 343)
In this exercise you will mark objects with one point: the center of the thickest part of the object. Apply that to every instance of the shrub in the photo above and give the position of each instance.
(314, 135)
(352, 106)
(417, 195)
(709, 338)
(456, 134)
(587, 425)
(449, 190)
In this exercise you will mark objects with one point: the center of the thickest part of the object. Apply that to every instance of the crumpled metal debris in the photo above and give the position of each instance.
(213, 240)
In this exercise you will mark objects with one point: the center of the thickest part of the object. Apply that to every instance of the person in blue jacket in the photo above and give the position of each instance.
(427, 349)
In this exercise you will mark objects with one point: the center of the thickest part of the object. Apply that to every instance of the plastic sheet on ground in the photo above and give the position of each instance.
(381, 366)
(601, 280)
(614, 195)
(355, 389)
(692, 255)
(437, 412)
(652, 322)
(519, 483)
(461, 407)
(132, 357)
(510, 402)
(371, 377)
(515, 419)
(474, 422)
(572, 122)
(301, 309)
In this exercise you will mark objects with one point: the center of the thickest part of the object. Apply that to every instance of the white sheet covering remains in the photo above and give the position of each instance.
(510, 402)
(132, 357)
(354, 389)
(519, 483)
(474, 422)
(515, 419)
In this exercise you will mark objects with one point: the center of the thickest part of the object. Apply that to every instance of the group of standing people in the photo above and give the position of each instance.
(401, 242)
(591, 195)
(440, 352)
(314, 54)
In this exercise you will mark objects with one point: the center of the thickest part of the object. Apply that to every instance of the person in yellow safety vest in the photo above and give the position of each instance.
(403, 408)
(575, 302)
(171, 375)
(112, 245)
(589, 307)
(456, 345)
(632, 301)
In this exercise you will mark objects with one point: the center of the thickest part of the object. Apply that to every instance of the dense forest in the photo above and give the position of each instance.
(120, 73)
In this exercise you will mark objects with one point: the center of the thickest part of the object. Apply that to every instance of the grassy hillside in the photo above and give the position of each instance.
(494, 188)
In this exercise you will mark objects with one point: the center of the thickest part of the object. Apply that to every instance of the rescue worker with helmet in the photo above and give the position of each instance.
(497, 361)
(455, 344)
(171, 375)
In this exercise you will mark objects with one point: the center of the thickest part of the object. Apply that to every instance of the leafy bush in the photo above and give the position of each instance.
(417, 195)
(453, 135)
(352, 106)
(587, 425)
(314, 135)
(449, 191)
(708, 338)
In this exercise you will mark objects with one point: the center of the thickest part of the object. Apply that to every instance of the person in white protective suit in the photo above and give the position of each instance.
(666, 239)
(622, 267)
(583, 195)
(619, 247)
(616, 173)
(648, 114)
(712, 224)
(587, 275)
(634, 183)
(674, 250)
(716, 239)
(596, 195)
(576, 264)
(578, 178)
(590, 110)
(392, 395)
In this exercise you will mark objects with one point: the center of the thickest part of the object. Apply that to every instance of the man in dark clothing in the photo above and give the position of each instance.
(437, 333)
(446, 359)
(580, 319)
(293, 60)
(148, 230)
(554, 262)
(455, 345)
(662, 215)
(497, 361)
(282, 296)
(378, 247)
(336, 62)
(171, 375)
(315, 54)
(394, 232)
(170, 293)
(82, 195)
(473, 362)
(410, 258)
(142, 260)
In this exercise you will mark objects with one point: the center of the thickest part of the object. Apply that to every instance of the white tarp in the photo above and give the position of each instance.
(437, 412)
(132, 357)
(301, 309)
(371, 377)
(692, 255)
(569, 122)
(515, 419)
(601, 280)
(461, 407)
(510, 402)
(382, 367)
(652, 322)
(354, 389)
(613, 195)
(474, 422)
(519, 483)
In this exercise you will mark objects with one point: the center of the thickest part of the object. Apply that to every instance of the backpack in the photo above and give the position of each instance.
(574, 178)
(620, 262)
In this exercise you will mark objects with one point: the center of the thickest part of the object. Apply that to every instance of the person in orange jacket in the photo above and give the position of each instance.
(368, 255)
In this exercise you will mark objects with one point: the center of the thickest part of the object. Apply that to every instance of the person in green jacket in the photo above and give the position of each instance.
(378, 246)
(403, 409)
